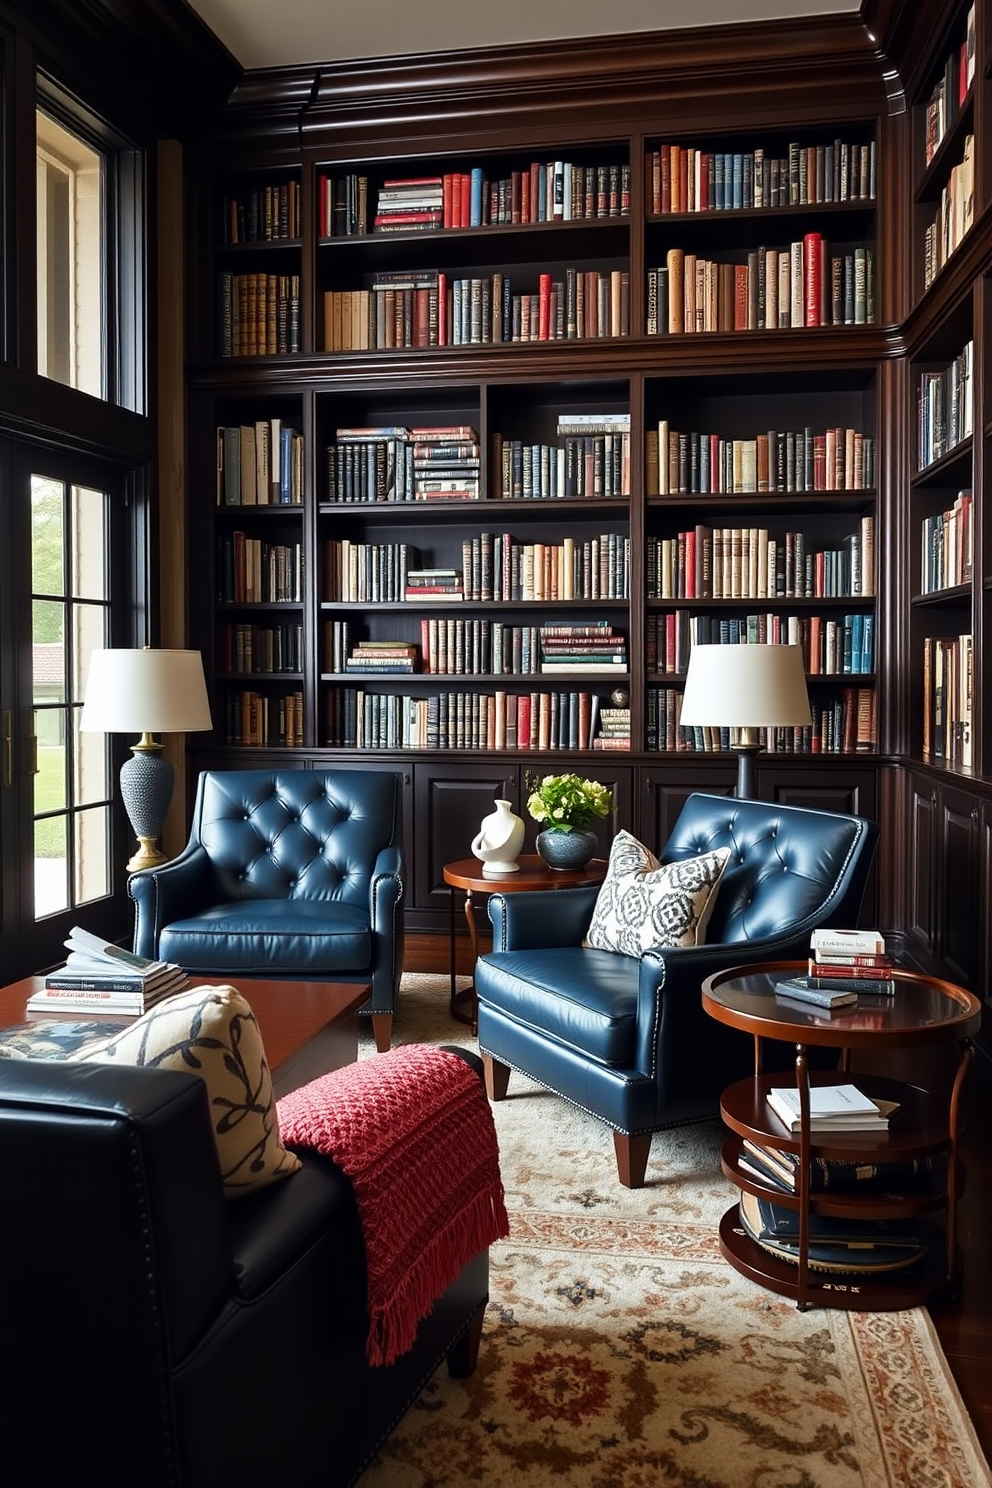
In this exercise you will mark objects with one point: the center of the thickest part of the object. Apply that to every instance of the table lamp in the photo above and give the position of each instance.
(146, 692)
(745, 688)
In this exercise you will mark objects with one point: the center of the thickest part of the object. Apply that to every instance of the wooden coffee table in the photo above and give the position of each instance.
(307, 1028)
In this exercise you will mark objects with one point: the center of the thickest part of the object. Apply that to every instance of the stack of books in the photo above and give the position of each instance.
(409, 205)
(434, 584)
(614, 729)
(853, 959)
(382, 656)
(582, 648)
(838, 1245)
(832, 1108)
(101, 977)
(446, 462)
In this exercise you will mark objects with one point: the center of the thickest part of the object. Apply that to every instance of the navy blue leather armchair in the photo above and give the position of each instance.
(627, 1038)
(287, 875)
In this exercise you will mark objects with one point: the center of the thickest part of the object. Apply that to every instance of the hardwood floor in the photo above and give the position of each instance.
(963, 1325)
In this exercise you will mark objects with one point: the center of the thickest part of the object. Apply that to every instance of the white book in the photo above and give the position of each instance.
(848, 942)
(834, 1107)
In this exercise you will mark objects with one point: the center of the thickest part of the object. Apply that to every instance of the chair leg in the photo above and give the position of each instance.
(382, 1031)
(497, 1077)
(632, 1157)
(465, 1354)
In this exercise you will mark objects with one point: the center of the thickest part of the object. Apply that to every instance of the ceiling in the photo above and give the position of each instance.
(279, 33)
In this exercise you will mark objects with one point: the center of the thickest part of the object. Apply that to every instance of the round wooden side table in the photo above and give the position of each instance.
(533, 875)
(923, 1011)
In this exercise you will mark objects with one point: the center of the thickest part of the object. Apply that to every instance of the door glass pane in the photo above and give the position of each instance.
(71, 255)
(70, 540)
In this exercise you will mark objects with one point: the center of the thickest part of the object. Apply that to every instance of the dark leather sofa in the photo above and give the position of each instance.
(627, 1038)
(157, 1335)
(290, 874)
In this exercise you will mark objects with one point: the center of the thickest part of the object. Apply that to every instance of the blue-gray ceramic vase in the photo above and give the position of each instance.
(566, 851)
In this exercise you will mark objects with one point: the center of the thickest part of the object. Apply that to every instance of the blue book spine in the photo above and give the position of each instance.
(718, 174)
(285, 466)
(857, 645)
(738, 181)
(475, 218)
(868, 643)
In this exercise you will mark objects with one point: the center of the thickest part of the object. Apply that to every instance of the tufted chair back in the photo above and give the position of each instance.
(295, 834)
(786, 864)
(288, 875)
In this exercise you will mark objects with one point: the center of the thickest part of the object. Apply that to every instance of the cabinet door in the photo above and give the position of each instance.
(921, 916)
(957, 885)
(450, 801)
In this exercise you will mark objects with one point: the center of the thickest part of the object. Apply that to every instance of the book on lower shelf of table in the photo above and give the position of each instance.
(831, 1108)
(840, 1245)
(781, 1169)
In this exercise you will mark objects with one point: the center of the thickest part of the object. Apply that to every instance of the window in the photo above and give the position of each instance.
(70, 601)
(71, 257)
(90, 255)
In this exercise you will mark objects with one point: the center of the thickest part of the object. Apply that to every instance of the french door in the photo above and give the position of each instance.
(64, 590)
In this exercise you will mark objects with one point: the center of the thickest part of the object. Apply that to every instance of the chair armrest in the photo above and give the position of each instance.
(669, 996)
(531, 921)
(161, 895)
(386, 892)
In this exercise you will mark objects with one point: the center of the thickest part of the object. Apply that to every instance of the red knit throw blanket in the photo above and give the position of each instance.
(413, 1131)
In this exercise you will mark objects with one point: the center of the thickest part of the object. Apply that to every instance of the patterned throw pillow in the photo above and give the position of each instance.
(211, 1032)
(643, 906)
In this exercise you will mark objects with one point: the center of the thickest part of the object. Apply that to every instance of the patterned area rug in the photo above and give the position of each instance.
(622, 1351)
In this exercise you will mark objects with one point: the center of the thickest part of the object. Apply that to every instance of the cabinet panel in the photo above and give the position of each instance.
(957, 886)
(450, 801)
(921, 924)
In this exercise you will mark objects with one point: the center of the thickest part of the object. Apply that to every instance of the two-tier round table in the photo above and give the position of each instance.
(923, 1011)
(533, 874)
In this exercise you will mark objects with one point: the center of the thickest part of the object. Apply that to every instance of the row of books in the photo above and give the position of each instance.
(843, 646)
(950, 90)
(705, 562)
(258, 719)
(259, 314)
(843, 965)
(945, 407)
(102, 977)
(496, 566)
(543, 191)
(250, 571)
(802, 285)
(395, 463)
(460, 647)
(356, 719)
(836, 459)
(259, 464)
(262, 648)
(846, 724)
(948, 679)
(683, 178)
(431, 309)
(581, 466)
(954, 217)
(499, 567)
(263, 214)
(948, 546)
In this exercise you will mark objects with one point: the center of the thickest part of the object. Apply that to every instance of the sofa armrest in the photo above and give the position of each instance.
(386, 892)
(531, 921)
(162, 895)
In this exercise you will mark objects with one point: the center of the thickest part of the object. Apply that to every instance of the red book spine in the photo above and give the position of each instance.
(456, 200)
(812, 277)
(544, 307)
(448, 192)
(666, 178)
(523, 721)
(466, 213)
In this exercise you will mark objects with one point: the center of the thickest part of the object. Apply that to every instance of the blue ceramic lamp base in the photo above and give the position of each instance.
(147, 781)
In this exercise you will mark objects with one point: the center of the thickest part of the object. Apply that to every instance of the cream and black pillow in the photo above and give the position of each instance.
(212, 1032)
(643, 905)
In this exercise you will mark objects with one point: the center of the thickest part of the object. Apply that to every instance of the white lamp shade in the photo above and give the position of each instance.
(145, 692)
(745, 686)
